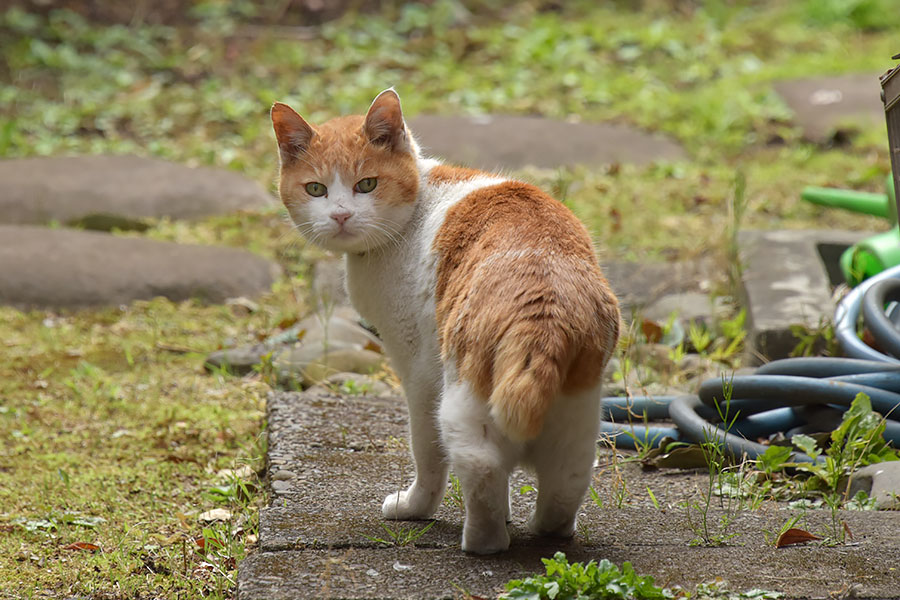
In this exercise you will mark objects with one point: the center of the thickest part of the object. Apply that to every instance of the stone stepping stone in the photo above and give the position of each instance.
(512, 142)
(91, 190)
(821, 104)
(62, 268)
(786, 282)
(338, 455)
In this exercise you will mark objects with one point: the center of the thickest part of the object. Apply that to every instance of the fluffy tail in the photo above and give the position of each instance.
(529, 372)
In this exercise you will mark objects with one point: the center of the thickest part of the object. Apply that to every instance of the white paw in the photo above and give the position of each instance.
(485, 542)
(558, 527)
(406, 506)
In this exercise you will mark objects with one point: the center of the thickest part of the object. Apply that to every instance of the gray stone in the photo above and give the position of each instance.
(54, 268)
(687, 306)
(280, 486)
(300, 345)
(116, 190)
(510, 142)
(639, 285)
(282, 475)
(785, 283)
(822, 104)
(319, 537)
(880, 481)
(307, 364)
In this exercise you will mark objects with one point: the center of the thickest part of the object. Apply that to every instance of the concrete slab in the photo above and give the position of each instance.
(511, 142)
(655, 543)
(785, 283)
(337, 456)
(67, 268)
(821, 104)
(84, 189)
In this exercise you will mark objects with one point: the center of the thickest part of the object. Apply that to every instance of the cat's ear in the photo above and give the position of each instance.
(384, 124)
(293, 133)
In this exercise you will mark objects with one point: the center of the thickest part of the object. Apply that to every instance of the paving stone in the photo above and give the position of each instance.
(56, 268)
(821, 104)
(321, 539)
(510, 142)
(785, 283)
(639, 285)
(116, 190)
(417, 573)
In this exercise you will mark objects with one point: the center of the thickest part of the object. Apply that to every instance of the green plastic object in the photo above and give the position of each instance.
(872, 255)
(859, 202)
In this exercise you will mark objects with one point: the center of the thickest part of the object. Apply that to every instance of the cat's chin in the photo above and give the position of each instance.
(350, 243)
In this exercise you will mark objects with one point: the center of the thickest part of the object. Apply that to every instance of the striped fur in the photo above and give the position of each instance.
(490, 302)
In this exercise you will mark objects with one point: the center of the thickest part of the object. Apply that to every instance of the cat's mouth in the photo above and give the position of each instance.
(344, 234)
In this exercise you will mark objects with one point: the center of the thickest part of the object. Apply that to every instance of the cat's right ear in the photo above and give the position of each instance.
(292, 132)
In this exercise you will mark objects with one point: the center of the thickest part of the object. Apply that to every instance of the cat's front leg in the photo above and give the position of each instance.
(422, 498)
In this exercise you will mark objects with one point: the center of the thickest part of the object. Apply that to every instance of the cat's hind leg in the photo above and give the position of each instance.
(482, 459)
(563, 457)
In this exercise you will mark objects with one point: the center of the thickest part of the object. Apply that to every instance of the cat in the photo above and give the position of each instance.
(491, 305)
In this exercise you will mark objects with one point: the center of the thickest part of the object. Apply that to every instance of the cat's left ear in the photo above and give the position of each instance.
(384, 124)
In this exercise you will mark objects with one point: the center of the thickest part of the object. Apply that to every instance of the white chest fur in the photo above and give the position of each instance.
(393, 287)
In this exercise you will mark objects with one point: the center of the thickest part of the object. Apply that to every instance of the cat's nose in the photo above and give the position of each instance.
(341, 216)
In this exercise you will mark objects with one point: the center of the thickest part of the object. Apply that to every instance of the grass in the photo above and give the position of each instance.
(114, 435)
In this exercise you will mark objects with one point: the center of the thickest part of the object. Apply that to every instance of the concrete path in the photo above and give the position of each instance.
(333, 458)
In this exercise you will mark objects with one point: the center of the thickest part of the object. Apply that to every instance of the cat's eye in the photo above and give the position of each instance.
(316, 189)
(366, 185)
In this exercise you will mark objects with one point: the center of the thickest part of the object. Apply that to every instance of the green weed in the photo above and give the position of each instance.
(594, 580)
(402, 536)
(722, 482)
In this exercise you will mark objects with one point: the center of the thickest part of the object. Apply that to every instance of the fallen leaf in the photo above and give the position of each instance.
(795, 536)
(652, 331)
(212, 542)
(288, 322)
(86, 546)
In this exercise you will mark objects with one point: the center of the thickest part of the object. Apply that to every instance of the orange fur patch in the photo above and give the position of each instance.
(521, 303)
(449, 174)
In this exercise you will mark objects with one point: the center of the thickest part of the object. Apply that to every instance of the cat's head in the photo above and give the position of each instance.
(349, 184)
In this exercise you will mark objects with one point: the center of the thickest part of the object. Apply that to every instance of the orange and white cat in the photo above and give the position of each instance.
(490, 303)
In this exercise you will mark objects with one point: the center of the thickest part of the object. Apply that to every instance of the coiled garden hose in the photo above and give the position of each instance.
(783, 394)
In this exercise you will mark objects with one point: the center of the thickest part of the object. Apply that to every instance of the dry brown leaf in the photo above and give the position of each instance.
(86, 546)
(847, 531)
(795, 536)
(652, 331)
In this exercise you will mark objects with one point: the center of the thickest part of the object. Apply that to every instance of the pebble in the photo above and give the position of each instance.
(282, 475)
(281, 486)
